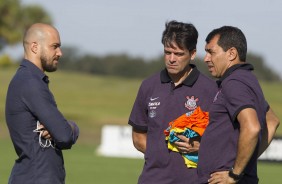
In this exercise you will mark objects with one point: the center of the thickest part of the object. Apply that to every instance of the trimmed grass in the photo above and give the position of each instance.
(269, 173)
(84, 166)
(93, 101)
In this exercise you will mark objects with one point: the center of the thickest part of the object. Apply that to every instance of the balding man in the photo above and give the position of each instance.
(37, 128)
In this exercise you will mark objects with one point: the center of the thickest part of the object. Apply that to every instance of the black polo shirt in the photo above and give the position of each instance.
(157, 103)
(29, 100)
(238, 89)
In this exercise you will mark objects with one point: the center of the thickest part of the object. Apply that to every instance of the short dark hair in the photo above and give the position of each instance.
(185, 35)
(230, 36)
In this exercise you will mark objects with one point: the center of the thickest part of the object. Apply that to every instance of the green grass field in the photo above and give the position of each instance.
(93, 101)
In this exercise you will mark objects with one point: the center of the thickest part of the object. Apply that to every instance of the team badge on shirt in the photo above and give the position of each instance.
(191, 103)
(152, 114)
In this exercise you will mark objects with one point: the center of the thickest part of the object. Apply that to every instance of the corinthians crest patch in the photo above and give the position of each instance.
(191, 103)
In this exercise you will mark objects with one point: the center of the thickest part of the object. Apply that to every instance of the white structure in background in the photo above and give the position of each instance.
(273, 152)
(116, 141)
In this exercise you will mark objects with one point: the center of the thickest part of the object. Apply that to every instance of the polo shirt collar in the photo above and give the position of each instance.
(189, 81)
(245, 66)
(35, 70)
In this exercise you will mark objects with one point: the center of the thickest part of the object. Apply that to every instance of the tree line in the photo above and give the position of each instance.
(16, 17)
(124, 65)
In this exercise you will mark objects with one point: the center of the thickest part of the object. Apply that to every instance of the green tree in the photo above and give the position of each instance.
(261, 70)
(5, 61)
(15, 18)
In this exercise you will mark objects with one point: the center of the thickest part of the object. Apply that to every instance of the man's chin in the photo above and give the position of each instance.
(53, 69)
(172, 71)
(212, 72)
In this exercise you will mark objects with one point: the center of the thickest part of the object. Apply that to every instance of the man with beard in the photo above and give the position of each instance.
(38, 130)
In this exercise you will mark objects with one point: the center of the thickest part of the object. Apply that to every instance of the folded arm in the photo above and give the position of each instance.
(42, 105)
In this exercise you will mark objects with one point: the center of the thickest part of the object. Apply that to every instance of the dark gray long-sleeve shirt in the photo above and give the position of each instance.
(29, 100)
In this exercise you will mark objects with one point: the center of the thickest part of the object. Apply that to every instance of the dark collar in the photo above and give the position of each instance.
(189, 81)
(245, 66)
(35, 70)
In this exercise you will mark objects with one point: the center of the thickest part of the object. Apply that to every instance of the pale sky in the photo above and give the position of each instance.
(135, 27)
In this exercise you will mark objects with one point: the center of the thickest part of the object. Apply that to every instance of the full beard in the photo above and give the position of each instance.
(48, 66)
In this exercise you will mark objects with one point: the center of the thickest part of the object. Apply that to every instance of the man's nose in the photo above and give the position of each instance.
(207, 58)
(172, 57)
(59, 52)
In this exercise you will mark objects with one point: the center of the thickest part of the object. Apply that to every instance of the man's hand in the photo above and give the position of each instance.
(221, 177)
(186, 145)
(45, 134)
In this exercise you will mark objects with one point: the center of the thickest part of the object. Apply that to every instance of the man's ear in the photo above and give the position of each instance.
(34, 47)
(232, 54)
(193, 54)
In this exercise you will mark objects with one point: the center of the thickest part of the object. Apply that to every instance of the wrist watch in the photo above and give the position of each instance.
(234, 176)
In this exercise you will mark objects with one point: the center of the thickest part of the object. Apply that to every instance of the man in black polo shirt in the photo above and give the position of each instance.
(242, 124)
(178, 89)
(37, 128)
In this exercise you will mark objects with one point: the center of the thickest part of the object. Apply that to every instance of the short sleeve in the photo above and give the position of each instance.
(138, 116)
(238, 97)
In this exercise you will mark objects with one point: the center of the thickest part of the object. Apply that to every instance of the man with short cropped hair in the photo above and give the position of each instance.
(37, 128)
(242, 123)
